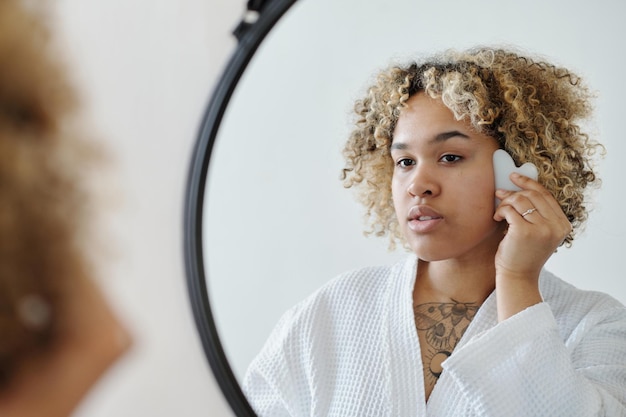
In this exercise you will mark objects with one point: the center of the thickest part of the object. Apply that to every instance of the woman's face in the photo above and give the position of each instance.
(443, 183)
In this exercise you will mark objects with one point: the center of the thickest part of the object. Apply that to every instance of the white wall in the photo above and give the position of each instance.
(146, 69)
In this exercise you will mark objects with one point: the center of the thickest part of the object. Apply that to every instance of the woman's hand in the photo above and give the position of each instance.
(536, 228)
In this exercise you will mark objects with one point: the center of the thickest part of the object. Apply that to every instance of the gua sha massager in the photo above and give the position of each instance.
(503, 166)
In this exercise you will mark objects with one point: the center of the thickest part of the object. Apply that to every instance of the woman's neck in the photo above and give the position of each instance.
(453, 280)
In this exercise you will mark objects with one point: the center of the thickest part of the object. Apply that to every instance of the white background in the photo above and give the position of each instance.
(280, 223)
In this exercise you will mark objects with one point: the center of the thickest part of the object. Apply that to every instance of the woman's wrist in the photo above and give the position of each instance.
(515, 293)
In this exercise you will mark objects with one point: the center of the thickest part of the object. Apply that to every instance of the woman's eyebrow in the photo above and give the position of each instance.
(398, 145)
(438, 138)
(447, 135)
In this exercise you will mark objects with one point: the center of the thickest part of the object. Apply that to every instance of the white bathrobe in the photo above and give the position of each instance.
(351, 349)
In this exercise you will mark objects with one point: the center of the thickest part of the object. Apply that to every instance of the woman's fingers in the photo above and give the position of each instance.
(537, 226)
(535, 205)
(529, 184)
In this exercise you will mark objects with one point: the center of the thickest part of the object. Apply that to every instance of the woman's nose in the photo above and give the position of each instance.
(423, 183)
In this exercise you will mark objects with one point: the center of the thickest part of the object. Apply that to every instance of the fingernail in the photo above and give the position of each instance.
(516, 175)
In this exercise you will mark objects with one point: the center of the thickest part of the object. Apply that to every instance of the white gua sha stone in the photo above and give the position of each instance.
(503, 166)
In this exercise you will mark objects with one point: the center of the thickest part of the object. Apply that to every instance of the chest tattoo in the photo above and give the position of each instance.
(440, 326)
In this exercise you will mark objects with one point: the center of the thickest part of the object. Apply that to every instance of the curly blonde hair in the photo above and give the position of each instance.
(42, 201)
(531, 107)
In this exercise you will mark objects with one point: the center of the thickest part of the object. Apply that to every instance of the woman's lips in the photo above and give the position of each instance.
(423, 219)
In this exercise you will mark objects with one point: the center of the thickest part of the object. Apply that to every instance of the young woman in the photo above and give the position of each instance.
(470, 324)
(58, 334)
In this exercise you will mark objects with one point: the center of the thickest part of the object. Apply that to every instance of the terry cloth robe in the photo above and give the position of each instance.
(351, 350)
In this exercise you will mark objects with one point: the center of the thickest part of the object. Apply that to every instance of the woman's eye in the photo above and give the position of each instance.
(450, 158)
(405, 162)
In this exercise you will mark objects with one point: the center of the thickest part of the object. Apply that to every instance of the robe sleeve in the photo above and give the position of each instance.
(265, 398)
(523, 367)
(276, 382)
